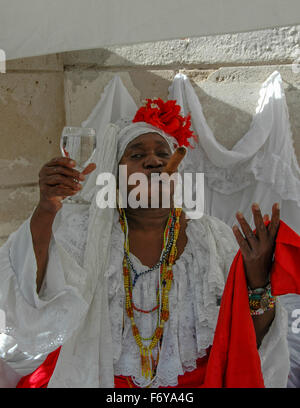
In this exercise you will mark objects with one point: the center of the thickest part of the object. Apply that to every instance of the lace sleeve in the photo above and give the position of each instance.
(222, 243)
(212, 247)
(291, 303)
(39, 323)
(274, 353)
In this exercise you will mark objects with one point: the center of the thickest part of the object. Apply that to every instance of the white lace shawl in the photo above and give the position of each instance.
(261, 167)
(38, 324)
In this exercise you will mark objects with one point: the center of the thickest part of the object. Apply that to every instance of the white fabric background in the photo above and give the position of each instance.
(262, 166)
(39, 27)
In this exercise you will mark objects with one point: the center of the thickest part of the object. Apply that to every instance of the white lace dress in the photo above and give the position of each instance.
(38, 324)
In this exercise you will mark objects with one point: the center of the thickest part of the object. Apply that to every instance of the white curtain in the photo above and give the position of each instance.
(39, 27)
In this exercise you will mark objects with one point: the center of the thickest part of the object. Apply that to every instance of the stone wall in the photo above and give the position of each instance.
(32, 116)
(226, 71)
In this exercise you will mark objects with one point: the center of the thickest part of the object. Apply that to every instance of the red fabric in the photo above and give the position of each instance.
(166, 116)
(234, 360)
(41, 376)
(285, 276)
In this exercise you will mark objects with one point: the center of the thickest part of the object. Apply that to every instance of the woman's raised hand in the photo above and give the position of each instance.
(257, 248)
(57, 180)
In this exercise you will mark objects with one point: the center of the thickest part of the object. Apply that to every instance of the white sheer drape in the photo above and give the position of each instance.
(262, 167)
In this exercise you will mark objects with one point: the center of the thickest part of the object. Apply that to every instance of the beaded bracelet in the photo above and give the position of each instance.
(261, 300)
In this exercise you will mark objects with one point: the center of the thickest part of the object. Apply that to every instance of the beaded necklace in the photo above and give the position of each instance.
(165, 249)
(148, 363)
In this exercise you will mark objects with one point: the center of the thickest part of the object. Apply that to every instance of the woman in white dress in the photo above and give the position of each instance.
(52, 299)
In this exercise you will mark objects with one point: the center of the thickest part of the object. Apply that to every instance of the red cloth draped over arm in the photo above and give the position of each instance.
(234, 360)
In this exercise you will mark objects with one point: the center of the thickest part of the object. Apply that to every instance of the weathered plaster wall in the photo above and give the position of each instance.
(31, 115)
(226, 71)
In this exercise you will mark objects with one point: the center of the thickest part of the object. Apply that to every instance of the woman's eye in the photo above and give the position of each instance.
(136, 156)
(140, 155)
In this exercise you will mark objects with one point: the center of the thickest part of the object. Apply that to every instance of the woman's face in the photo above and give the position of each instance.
(146, 154)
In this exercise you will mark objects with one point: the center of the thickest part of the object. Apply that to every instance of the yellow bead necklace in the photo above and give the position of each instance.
(148, 363)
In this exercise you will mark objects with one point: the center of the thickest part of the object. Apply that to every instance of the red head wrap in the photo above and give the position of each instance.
(166, 116)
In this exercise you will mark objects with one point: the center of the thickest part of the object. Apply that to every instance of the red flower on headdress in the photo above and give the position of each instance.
(166, 116)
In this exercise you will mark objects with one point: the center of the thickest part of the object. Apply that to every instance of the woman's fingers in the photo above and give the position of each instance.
(261, 230)
(257, 249)
(61, 165)
(62, 161)
(247, 230)
(61, 191)
(48, 190)
(245, 249)
(275, 220)
(65, 171)
(58, 179)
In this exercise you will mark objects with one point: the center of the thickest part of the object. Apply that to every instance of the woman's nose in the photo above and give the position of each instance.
(153, 161)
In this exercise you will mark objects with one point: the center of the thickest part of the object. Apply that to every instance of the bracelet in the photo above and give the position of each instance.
(261, 300)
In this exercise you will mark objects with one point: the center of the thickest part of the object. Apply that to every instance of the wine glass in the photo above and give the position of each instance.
(79, 144)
